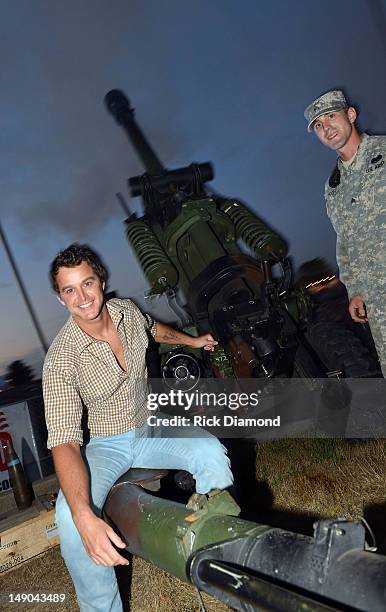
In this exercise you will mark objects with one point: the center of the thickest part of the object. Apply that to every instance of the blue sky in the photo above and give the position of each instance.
(221, 80)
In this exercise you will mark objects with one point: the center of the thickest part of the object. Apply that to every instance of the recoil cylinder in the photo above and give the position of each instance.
(159, 270)
(263, 241)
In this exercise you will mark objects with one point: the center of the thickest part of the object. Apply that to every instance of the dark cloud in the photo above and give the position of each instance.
(81, 212)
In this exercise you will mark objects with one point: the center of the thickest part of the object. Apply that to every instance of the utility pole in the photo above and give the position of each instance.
(23, 291)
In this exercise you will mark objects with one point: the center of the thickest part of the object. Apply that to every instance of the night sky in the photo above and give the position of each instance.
(215, 80)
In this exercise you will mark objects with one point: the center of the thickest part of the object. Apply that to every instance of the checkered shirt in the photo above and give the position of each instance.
(80, 368)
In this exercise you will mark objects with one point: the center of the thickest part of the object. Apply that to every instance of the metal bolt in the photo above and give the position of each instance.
(339, 532)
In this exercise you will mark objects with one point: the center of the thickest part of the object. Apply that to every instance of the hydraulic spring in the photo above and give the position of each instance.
(263, 241)
(159, 270)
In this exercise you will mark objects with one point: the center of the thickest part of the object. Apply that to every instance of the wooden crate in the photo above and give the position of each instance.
(27, 534)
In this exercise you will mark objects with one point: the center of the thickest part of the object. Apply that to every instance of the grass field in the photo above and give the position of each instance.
(297, 481)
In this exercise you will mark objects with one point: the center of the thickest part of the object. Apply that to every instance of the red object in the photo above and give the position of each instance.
(4, 437)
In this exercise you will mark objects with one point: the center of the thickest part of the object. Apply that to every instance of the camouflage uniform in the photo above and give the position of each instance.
(356, 204)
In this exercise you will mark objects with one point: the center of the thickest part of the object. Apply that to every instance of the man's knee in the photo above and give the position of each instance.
(211, 449)
(213, 469)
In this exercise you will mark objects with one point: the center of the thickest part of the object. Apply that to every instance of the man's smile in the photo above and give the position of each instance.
(86, 305)
(332, 136)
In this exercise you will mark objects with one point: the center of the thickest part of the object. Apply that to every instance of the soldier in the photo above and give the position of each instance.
(356, 204)
(98, 358)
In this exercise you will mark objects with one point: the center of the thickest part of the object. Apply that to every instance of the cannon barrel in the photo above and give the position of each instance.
(119, 106)
(248, 565)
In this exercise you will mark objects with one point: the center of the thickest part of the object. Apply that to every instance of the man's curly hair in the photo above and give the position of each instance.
(71, 257)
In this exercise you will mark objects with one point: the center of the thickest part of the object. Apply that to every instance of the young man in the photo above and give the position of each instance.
(356, 204)
(98, 358)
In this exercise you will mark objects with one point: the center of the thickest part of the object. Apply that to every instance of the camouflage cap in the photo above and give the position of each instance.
(331, 101)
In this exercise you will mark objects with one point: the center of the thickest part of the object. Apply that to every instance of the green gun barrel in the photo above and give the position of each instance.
(167, 533)
(248, 565)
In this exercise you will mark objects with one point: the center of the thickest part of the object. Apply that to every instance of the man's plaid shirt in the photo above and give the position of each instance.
(79, 367)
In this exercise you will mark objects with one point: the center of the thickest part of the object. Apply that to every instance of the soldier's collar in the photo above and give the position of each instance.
(360, 155)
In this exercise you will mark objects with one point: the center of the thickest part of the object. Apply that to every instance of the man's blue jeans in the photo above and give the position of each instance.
(110, 457)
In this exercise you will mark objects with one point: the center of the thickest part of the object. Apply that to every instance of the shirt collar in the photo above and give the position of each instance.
(360, 155)
(115, 311)
(83, 340)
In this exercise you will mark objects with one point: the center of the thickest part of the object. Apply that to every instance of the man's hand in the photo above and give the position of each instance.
(97, 537)
(357, 309)
(96, 534)
(167, 335)
(206, 341)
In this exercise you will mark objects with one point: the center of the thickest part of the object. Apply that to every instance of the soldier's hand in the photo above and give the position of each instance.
(357, 309)
(97, 537)
(206, 342)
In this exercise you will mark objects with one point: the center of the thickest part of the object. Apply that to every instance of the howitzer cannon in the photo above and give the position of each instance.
(248, 565)
(189, 240)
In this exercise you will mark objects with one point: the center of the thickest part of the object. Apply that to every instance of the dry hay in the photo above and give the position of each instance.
(152, 590)
(45, 573)
(156, 591)
(325, 477)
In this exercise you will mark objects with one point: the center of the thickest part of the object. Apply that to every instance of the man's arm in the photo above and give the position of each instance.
(74, 482)
(63, 410)
(167, 335)
(348, 275)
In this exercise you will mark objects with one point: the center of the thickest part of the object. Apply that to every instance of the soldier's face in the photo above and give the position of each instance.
(335, 129)
(81, 291)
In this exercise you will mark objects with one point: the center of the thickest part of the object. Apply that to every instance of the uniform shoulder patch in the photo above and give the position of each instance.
(334, 179)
